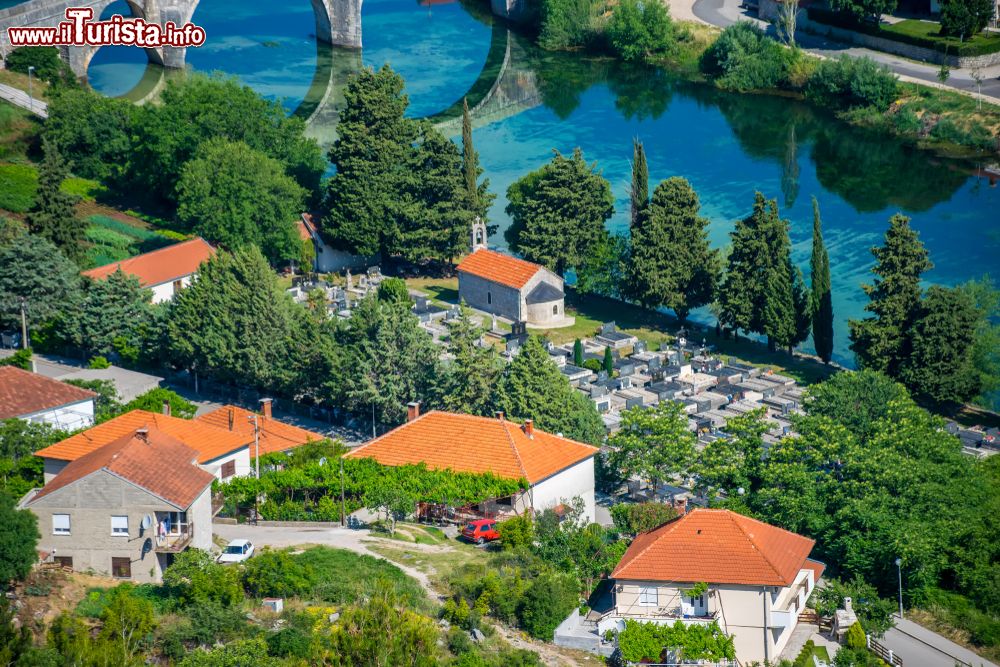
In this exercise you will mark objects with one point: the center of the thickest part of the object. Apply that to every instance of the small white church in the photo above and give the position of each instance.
(511, 288)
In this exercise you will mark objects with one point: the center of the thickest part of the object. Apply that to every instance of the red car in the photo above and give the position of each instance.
(481, 531)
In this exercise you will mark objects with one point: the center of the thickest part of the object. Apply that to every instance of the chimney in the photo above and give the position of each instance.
(412, 410)
(680, 506)
(166, 408)
(231, 417)
(499, 415)
(265, 407)
(142, 434)
(529, 428)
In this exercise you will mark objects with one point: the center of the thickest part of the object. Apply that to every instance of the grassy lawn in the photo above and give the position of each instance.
(18, 130)
(437, 562)
(39, 89)
(929, 30)
(649, 326)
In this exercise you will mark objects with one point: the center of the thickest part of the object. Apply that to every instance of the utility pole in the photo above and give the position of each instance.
(31, 100)
(899, 570)
(256, 448)
(343, 504)
(24, 322)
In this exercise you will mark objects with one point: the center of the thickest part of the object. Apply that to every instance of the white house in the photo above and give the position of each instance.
(512, 288)
(752, 578)
(36, 398)
(126, 508)
(164, 271)
(329, 259)
(556, 469)
(221, 452)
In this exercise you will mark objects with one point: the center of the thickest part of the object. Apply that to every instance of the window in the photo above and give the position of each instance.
(177, 286)
(489, 297)
(228, 469)
(60, 524)
(63, 561)
(648, 597)
(555, 310)
(121, 568)
(119, 525)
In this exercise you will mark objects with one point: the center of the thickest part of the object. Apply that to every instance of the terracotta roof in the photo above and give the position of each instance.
(157, 462)
(210, 442)
(716, 547)
(275, 436)
(817, 567)
(306, 226)
(464, 443)
(24, 393)
(160, 266)
(499, 268)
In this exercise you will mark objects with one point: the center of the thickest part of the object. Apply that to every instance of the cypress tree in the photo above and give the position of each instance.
(53, 216)
(577, 353)
(609, 361)
(882, 342)
(480, 197)
(640, 180)
(822, 297)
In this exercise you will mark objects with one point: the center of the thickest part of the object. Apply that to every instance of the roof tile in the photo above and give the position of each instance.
(160, 266)
(717, 547)
(275, 436)
(24, 393)
(499, 268)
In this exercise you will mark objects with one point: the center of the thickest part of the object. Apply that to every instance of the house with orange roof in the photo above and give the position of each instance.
(221, 452)
(554, 469)
(164, 271)
(126, 508)
(512, 288)
(714, 565)
(38, 399)
(272, 435)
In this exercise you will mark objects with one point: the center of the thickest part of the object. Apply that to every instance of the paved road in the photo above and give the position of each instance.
(20, 98)
(919, 647)
(723, 13)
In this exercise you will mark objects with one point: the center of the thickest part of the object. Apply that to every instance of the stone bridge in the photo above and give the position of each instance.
(338, 22)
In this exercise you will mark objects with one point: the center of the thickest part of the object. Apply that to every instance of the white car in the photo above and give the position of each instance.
(236, 551)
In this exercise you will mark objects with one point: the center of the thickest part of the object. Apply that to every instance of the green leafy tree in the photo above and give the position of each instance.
(964, 18)
(233, 195)
(986, 348)
(546, 604)
(45, 61)
(53, 216)
(565, 24)
(480, 197)
(635, 518)
(736, 462)
(865, 9)
(127, 620)
(516, 533)
(654, 443)
(20, 359)
(671, 262)
(531, 387)
(874, 613)
(604, 268)
(112, 309)
(941, 365)
(373, 141)
(18, 538)
(20, 438)
(856, 400)
(35, 270)
(154, 399)
(822, 294)
(469, 378)
(640, 30)
(558, 212)
(237, 324)
(744, 58)
(882, 342)
(393, 361)
(276, 573)
(198, 108)
(394, 291)
(93, 131)
(107, 403)
(195, 578)
(759, 290)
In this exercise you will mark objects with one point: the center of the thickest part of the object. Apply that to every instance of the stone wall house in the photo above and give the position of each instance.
(754, 579)
(126, 508)
(556, 469)
(513, 289)
(38, 399)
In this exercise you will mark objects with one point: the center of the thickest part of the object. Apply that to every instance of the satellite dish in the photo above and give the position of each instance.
(147, 521)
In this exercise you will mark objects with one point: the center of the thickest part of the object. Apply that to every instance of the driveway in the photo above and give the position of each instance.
(724, 13)
(919, 647)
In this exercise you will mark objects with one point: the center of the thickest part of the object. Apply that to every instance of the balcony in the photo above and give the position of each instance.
(782, 619)
(175, 542)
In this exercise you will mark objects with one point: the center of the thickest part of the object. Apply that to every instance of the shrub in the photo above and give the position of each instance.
(45, 59)
(744, 58)
(99, 362)
(547, 602)
(848, 82)
(565, 23)
(856, 636)
(20, 359)
(276, 574)
(195, 578)
(634, 518)
(289, 643)
(18, 184)
(516, 532)
(638, 30)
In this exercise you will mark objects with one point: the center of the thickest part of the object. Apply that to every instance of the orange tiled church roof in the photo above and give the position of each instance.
(716, 547)
(499, 268)
(464, 443)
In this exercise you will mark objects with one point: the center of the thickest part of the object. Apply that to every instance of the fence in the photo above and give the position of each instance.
(884, 652)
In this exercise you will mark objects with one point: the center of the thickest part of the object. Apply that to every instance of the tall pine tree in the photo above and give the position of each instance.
(639, 193)
(469, 375)
(882, 342)
(53, 216)
(480, 197)
(822, 295)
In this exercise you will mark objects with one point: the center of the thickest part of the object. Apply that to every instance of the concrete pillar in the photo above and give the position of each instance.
(338, 22)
